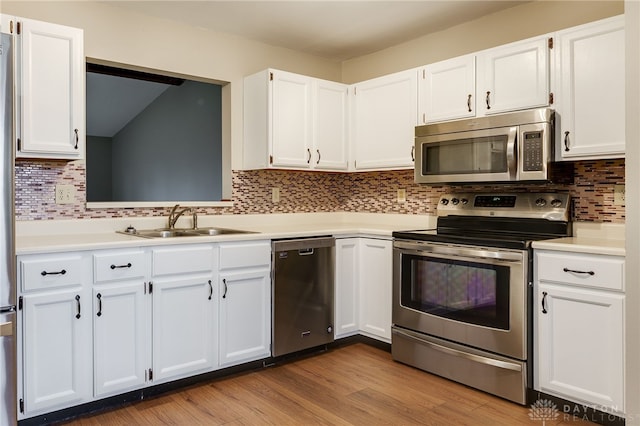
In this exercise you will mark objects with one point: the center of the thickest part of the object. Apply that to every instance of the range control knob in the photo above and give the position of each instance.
(464, 201)
(444, 201)
(541, 202)
(556, 203)
(455, 201)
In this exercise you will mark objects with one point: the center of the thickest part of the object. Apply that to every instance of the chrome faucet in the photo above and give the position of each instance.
(175, 214)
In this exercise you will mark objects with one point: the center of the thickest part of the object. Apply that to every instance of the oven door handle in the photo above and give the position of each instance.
(450, 351)
(460, 251)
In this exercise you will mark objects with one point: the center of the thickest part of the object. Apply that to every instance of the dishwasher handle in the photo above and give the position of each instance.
(305, 252)
(302, 244)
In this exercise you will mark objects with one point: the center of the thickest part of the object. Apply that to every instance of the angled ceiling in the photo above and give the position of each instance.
(337, 30)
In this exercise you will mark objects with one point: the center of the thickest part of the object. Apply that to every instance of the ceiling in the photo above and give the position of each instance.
(333, 29)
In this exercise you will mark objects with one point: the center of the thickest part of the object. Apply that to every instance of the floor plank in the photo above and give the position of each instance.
(352, 385)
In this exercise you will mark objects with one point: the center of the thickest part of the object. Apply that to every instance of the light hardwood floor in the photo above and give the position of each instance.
(351, 385)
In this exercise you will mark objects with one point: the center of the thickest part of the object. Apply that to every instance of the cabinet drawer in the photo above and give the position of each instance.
(606, 272)
(181, 260)
(245, 254)
(118, 266)
(53, 271)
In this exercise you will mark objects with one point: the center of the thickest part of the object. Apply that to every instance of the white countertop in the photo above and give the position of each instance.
(592, 238)
(34, 237)
(91, 234)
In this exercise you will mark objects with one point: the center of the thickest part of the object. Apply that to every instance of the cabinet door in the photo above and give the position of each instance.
(384, 119)
(330, 126)
(291, 120)
(580, 348)
(51, 71)
(376, 275)
(347, 288)
(184, 329)
(245, 316)
(591, 95)
(121, 337)
(56, 349)
(514, 76)
(446, 90)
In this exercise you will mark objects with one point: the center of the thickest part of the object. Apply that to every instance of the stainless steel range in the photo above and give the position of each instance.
(462, 293)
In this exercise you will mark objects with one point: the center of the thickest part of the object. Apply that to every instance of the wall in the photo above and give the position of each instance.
(589, 182)
(115, 35)
(632, 241)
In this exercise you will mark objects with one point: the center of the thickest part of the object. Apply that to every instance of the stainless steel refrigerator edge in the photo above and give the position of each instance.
(7, 252)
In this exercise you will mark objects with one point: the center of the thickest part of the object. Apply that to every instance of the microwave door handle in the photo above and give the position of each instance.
(512, 160)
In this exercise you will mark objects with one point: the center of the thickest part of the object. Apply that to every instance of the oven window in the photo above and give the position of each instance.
(475, 293)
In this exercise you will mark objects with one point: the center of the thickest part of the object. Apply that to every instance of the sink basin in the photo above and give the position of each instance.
(180, 232)
(218, 231)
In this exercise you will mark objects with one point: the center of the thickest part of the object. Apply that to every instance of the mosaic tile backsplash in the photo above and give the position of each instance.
(590, 184)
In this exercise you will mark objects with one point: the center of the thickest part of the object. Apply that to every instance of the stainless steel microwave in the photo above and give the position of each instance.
(509, 147)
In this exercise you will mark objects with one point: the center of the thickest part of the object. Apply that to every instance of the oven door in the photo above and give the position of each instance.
(474, 296)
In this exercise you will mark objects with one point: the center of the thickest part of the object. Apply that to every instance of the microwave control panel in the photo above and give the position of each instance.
(532, 151)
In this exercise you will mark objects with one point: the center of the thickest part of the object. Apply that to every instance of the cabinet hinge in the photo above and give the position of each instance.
(550, 42)
(150, 287)
(21, 405)
(20, 303)
(18, 28)
(550, 98)
(151, 374)
(270, 76)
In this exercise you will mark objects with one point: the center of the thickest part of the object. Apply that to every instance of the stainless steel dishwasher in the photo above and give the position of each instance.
(302, 290)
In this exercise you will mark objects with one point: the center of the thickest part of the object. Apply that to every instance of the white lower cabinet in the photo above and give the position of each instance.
(183, 327)
(363, 287)
(121, 321)
(244, 289)
(55, 322)
(244, 317)
(56, 337)
(184, 307)
(579, 328)
(121, 337)
(346, 287)
(376, 275)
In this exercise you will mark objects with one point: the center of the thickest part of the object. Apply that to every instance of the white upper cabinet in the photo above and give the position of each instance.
(291, 120)
(330, 135)
(514, 76)
(294, 121)
(446, 90)
(384, 119)
(50, 83)
(590, 94)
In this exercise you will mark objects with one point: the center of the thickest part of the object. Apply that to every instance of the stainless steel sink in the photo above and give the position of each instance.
(180, 232)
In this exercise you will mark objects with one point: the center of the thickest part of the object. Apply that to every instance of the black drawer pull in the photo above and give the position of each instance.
(128, 265)
(578, 272)
(45, 273)
(78, 303)
(544, 298)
